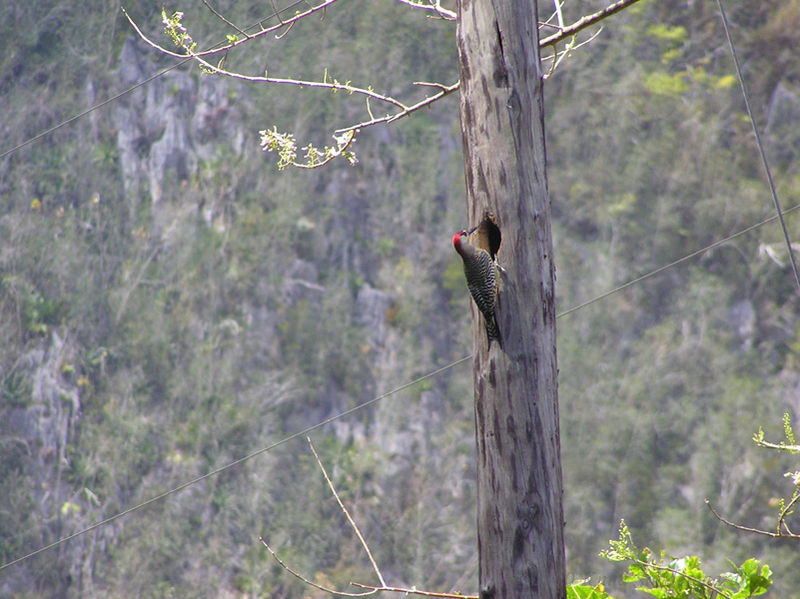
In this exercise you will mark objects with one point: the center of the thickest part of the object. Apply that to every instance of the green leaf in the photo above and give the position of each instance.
(659, 592)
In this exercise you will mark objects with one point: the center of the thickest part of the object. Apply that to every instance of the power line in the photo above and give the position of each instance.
(249, 456)
(778, 216)
(758, 141)
(661, 269)
(376, 399)
(71, 120)
(92, 109)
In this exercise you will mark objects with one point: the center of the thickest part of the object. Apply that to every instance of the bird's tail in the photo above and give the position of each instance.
(492, 332)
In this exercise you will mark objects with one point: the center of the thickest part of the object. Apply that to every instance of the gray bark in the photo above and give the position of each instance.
(520, 515)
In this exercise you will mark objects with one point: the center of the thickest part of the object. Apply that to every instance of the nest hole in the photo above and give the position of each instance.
(488, 236)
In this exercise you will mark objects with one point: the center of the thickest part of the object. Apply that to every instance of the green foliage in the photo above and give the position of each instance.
(663, 31)
(666, 84)
(582, 591)
(176, 31)
(187, 352)
(683, 577)
(15, 390)
(38, 312)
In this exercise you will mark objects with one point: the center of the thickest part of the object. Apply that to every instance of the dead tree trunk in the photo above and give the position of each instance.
(520, 516)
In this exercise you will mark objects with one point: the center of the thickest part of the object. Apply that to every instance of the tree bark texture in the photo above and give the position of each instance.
(520, 514)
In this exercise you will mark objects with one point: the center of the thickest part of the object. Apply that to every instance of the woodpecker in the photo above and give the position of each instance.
(480, 270)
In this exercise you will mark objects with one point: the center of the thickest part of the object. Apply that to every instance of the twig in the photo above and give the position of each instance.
(370, 589)
(346, 513)
(547, 22)
(775, 535)
(221, 17)
(559, 14)
(199, 57)
(403, 109)
(447, 15)
(439, 86)
(280, 36)
(557, 56)
(585, 22)
(785, 512)
(309, 582)
(413, 591)
(446, 90)
(276, 12)
(782, 446)
(282, 23)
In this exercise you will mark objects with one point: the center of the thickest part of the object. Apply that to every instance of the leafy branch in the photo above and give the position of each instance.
(284, 143)
(212, 61)
(683, 577)
(786, 505)
(286, 147)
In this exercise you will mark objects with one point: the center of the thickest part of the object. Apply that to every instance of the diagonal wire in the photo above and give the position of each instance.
(235, 463)
(92, 109)
(376, 399)
(71, 120)
(758, 141)
(661, 269)
(778, 216)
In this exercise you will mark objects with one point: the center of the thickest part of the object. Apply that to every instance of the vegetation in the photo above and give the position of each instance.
(171, 302)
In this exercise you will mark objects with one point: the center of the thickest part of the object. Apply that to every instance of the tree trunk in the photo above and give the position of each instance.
(520, 515)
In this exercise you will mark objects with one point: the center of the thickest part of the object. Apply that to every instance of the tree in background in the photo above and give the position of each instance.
(164, 327)
(520, 514)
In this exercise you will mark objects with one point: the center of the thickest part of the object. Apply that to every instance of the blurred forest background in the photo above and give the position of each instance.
(170, 301)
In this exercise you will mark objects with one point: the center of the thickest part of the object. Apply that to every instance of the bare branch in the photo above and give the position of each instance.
(585, 22)
(346, 513)
(781, 446)
(439, 86)
(370, 589)
(414, 592)
(446, 90)
(434, 6)
(557, 4)
(302, 578)
(368, 93)
(334, 85)
(787, 510)
(265, 30)
(775, 535)
(558, 56)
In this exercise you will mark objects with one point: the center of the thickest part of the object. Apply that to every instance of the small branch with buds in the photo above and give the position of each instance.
(344, 137)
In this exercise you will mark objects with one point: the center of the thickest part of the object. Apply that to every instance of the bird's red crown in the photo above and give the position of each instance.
(457, 240)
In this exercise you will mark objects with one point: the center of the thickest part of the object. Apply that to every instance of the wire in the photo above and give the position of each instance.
(661, 269)
(92, 109)
(375, 399)
(249, 456)
(71, 120)
(758, 141)
(135, 508)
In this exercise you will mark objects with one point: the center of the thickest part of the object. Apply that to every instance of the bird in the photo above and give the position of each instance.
(480, 271)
